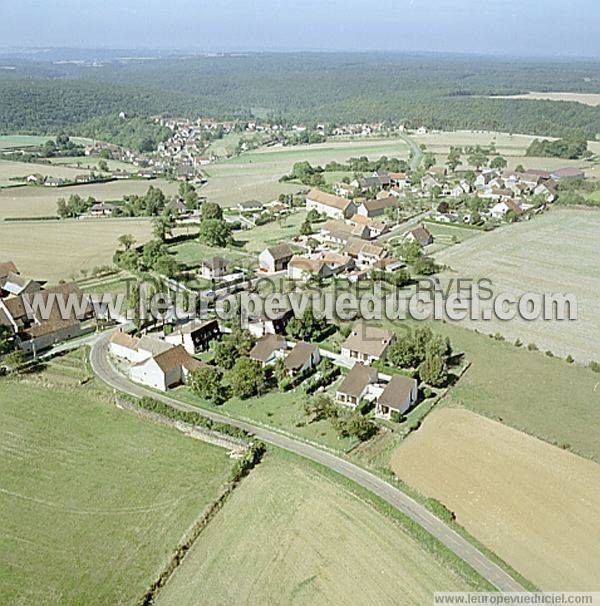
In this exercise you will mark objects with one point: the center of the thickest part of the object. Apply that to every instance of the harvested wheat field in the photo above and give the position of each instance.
(59, 250)
(535, 505)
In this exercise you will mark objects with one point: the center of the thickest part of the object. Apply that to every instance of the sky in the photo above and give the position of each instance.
(497, 27)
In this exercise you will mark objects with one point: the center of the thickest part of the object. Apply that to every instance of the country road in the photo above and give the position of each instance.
(417, 153)
(461, 547)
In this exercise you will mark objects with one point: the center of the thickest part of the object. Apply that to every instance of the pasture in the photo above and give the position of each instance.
(91, 163)
(29, 201)
(309, 541)
(58, 250)
(256, 174)
(535, 505)
(94, 499)
(553, 253)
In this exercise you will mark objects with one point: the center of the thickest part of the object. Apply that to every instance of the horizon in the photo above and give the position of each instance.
(510, 28)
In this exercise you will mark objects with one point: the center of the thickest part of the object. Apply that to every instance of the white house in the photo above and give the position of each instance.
(303, 357)
(275, 258)
(367, 343)
(122, 345)
(356, 385)
(330, 205)
(166, 369)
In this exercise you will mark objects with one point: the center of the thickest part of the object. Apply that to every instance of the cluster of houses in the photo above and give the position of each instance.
(36, 328)
(165, 361)
(346, 244)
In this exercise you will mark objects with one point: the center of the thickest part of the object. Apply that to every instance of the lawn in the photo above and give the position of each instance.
(193, 252)
(534, 505)
(55, 250)
(554, 253)
(283, 412)
(94, 499)
(310, 541)
(27, 201)
(91, 163)
(446, 235)
(257, 239)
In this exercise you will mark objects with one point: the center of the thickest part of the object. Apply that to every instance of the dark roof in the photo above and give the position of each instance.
(281, 251)
(381, 203)
(216, 263)
(299, 355)
(421, 235)
(396, 391)
(357, 379)
(177, 356)
(265, 347)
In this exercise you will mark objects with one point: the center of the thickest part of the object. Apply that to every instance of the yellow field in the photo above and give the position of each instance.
(535, 505)
(41, 201)
(592, 99)
(289, 535)
(55, 250)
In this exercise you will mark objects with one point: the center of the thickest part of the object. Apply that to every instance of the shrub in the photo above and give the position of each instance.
(532, 347)
(594, 366)
(440, 510)
(569, 359)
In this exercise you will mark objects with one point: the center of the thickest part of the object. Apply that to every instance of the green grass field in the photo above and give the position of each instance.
(290, 534)
(21, 170)
(449, 235)
(91, 163)
(94, 499)
(283, 412)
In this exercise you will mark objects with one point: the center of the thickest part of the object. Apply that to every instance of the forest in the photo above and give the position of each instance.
(444, 92)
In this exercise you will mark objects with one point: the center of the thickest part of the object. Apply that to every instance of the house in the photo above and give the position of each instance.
(421, 235)
(214, 268)
(6, 268)
(376, 208)
(179, 207)
(122, 345)
(398, 180)
(365, 253)
(367, 343)
(149, 346)
(15, 284)
(398, 396)
(250, 206)
(345, 190)
(165, 370)
(355, 385)
(388, 264)
(275, 258)
(301, 267)
(274, 325)
(567, 173)
(268, 349)
(195, 336)
(374, 229)
(302, 358)
(422, 130)
(547, 189)
(330, 205)
(498, 211)
(102, 209)
(40, 326)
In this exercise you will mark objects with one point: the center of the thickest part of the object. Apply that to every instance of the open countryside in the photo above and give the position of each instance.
(63, 444)
(304, 544)
(533, 504)
(517, 261)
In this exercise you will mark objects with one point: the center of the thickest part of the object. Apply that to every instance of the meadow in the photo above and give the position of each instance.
(21, 170)
(535, 505)
(553, 253)
(94, 499)
(311, 540)
(256, 174)
(27, 201)
(58, 250)
(18, 141)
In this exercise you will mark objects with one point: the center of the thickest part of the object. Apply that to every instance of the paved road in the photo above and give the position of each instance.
(417, 152)
(461, 547)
